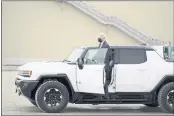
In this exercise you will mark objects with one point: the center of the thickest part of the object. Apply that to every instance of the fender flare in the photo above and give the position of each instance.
(162, 81)
(60, 75)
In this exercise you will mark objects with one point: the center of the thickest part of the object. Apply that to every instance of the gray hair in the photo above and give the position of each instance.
(102, 36)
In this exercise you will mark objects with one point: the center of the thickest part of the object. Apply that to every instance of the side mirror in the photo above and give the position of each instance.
(80, 63)
(111, 63)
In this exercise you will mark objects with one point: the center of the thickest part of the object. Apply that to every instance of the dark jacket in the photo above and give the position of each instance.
(105, 45)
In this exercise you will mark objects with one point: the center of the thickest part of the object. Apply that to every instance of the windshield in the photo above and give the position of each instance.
(76, 53)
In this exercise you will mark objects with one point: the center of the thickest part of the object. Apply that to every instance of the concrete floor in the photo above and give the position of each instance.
(12, 104)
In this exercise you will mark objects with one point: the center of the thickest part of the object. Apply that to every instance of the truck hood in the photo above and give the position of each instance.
(45, 66)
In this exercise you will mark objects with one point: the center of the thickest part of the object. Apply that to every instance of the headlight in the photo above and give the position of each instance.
(25, 73)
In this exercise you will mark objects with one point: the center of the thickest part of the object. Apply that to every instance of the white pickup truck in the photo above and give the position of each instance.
(140, 75)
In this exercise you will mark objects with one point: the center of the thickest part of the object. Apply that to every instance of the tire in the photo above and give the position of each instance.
(40, 93)
(33, 102)
(162, 97)
(151, 105)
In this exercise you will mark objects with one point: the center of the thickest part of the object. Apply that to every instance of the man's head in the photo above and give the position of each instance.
(101, 38)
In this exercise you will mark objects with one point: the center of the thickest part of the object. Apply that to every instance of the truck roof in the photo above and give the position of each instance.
(121, 46)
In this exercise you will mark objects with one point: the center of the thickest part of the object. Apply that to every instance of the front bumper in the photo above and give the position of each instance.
(25, 87)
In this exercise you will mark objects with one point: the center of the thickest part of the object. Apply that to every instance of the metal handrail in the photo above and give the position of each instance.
(116, 22)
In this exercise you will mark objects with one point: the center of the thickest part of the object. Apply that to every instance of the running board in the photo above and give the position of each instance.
(117, 101)
(115, 98)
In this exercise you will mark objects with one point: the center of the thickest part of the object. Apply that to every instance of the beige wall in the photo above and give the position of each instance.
(42, 30)
(155, 18)
(49, 30)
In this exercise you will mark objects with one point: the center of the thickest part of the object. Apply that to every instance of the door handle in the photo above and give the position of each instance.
(79, 82)
(141, 69)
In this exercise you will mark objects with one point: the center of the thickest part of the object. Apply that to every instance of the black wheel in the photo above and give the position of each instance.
(33, 102)
(166, 98)
(151, 105)
(52, 97)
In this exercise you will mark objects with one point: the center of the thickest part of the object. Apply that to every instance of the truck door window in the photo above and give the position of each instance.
(132, 56)
(95, 56)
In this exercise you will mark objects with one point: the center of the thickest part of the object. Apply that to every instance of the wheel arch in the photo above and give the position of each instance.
(166, 79)
(62, 78)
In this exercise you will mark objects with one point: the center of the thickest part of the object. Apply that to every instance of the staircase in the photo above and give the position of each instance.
(116, 22)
